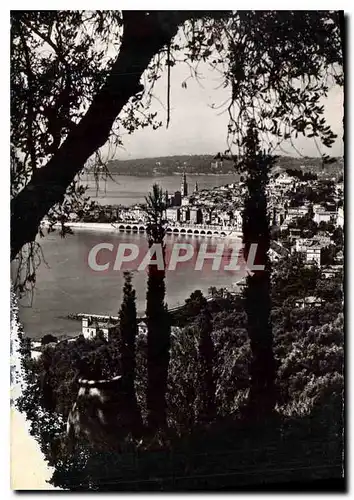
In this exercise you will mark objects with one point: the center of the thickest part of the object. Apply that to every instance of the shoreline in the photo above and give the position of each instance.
(88, 226)
(175, 174)
(229, 233)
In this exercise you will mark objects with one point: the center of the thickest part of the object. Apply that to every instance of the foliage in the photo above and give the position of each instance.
(312, 369)
(47, 339)
(306, 225)
(300, 175)
(308, 343)
(256, 231)
(194, 304)
(182, 389)
(155, 207)
(277, 66)
(292, 278)
(205, 369)
(338, 237)
(157, 319)
(328, 255)
(71, 96)
(128, 330)
(233, 357)
(69, 86)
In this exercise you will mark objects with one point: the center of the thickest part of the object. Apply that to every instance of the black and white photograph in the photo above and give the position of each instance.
(177, 198)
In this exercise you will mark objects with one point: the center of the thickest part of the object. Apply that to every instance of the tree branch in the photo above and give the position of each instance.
(30, 108)
(144, 36)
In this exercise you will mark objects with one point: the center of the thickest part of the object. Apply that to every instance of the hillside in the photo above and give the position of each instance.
(169, 165)
(202, 164)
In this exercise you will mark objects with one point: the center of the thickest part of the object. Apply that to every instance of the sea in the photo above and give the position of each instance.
(67, 285)
(129, 190)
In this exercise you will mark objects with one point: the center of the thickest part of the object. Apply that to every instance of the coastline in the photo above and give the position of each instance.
(86, 226)
(232, 233)
(167, 174)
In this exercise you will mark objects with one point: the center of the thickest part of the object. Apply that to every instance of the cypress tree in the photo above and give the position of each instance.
(128, 332)
(158, 324)
(206, 406)
(256, 165)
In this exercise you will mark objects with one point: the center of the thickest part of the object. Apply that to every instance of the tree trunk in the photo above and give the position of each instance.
(158, 349)
(127, 347)
(206, 404)
(257, 295)
(143, 37)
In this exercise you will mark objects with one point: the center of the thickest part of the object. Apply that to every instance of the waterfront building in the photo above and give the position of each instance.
(224, 218)
(184, 186)
(177, 199)
(195, 215)
(137, 214)
(217, 162)
(184, 214)
(91, 327)
(206, 215)
(237, 217)
(173, 214)
(214, 218)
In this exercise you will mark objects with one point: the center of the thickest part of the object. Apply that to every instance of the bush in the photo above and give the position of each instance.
(308, 344)
(312, 368)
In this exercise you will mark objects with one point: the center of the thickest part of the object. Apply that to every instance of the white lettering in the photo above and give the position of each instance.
(177, 257)
(121, 257)
(216, 256)
(92, 256)
(235, 255)
(155, 249)
(250, 259)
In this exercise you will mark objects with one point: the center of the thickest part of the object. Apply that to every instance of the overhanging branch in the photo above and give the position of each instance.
(144, 36)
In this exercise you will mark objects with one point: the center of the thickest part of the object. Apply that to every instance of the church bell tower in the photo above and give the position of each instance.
(184, 186)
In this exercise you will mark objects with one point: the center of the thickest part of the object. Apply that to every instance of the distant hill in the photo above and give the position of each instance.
(169, 165)
(313, 165)
(202, 164)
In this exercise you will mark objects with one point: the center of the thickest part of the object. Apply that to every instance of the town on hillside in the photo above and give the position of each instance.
(306, 217)
(178, 249)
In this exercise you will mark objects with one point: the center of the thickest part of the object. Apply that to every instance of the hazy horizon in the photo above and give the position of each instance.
(197, 126)
(281, 155)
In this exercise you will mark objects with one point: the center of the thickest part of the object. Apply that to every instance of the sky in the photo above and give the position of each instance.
(196, 128)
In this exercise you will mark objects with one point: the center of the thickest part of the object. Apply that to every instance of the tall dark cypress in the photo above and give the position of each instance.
(255, 228)
(158, 325)
(206, 406)
(128, 329)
